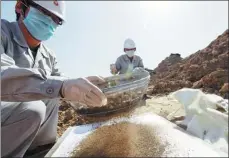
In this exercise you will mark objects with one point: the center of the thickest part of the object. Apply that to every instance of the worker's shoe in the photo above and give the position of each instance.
(39, 151)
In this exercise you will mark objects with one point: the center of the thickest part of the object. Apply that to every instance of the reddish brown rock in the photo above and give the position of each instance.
(167, 62)
(206, 69)
(197, 84)
(224, 88)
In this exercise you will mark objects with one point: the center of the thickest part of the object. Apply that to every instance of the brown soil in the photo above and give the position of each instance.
(207, 69)
(121, 140)
(68, 117)
(114, 101)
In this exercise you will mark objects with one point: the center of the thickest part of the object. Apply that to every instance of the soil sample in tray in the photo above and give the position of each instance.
(116, 101)
(121, 140)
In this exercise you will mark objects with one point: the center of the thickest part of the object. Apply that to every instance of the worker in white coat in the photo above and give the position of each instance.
(128, 61)
(31, 83)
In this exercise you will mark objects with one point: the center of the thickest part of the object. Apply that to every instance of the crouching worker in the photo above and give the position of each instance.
(31, 84)
(127, 62)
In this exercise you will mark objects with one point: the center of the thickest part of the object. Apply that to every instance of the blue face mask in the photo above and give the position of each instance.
(40, 26)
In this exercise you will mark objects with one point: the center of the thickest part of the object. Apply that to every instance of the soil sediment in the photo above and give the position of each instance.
(121, 140)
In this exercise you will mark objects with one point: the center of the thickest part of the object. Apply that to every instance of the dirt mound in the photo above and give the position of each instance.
(167, 62)
(206, 69)
(68, 117)
(121, 140)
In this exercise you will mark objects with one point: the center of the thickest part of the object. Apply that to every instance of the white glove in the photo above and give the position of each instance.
(83, 91)
(96, 80)
(113, 68)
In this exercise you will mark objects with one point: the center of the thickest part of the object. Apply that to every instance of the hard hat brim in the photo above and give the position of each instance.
(57, 11)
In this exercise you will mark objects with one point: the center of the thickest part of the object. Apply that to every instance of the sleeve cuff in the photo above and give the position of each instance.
(51, 87)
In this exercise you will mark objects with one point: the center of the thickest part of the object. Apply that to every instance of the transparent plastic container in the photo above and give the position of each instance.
(125, 94)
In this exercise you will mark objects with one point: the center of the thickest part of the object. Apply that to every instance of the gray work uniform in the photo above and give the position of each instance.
(124, 65)
(29, 93)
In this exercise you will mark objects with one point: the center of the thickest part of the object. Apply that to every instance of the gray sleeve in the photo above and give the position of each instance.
(24, 84)
(118, 64)
(141, 63)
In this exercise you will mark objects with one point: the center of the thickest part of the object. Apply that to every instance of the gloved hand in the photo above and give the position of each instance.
(98, 81)
(83, 91)
(113, 68)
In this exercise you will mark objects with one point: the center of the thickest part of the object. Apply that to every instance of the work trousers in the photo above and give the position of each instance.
(26, 125)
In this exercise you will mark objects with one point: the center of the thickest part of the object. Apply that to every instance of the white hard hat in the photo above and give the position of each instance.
(54, 6)
(129, 44)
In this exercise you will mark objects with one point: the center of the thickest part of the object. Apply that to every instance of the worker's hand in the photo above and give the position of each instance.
(96, 80)
(83, 91)
(113, 69)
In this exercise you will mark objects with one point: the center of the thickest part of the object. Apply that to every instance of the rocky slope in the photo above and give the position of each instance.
(167, 62)
(207, 69)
